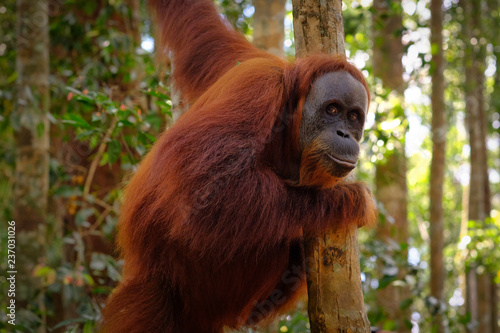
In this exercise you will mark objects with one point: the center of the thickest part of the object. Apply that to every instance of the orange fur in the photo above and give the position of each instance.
(212, 222)
(312, 172)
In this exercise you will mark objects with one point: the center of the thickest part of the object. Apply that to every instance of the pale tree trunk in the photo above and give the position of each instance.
(335, 296)
(32, 142)
(479, 284)
(439, 129)
(318, 27)
(269, 25)
(391, 188)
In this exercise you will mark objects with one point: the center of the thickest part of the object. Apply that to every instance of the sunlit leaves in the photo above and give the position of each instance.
(482, 242)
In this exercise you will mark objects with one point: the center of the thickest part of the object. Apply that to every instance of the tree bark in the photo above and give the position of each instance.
(439, 129)
(479, 303)
(269, 25)
(495, 328)
(479, 205)
(31, 127)
(471, 296)
(333, 275)
(387, 46)
(336, 302)
(391, 185)
(318, 27)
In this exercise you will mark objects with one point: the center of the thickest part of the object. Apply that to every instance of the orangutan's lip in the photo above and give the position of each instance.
(344, 163)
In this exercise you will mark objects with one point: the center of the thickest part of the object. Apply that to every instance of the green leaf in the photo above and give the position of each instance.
(104, 159)
(101, 290)
(405, 304)
(146, 138)
(88, 278)
(44, 271)
(155, 121)
(80, 96)
(40, 127)
(126, 123)
(164, 105)
(12, 78)
(66, 191)
(434, 48)
(89, 327)
(150, 137)
(75, 120)
(389, 325)
(94, 140)
(85, 134)
(82, 215)
(114, 150)
(385, 281)
(465, 319)
(158, 94)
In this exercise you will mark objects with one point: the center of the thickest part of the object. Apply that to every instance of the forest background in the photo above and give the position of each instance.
(82, 99)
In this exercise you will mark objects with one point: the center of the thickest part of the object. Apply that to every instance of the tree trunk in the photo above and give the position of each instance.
(32, 142)
(471, 296)
(495, 327)
(391, 189)
(334, 286)
(480, 306)
(387, 46)
(318, 27)
(439, 129)
(479, 205)
(336, 302)
(269, 25)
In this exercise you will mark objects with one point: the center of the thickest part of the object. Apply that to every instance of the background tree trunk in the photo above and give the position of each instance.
(336, 301)
(479, 282)
(32, 142)
(391, 189)
(269, 25)
(318, 27)
(439, 130)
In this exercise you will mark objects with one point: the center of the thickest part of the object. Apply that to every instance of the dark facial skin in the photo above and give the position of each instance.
(333, 120)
